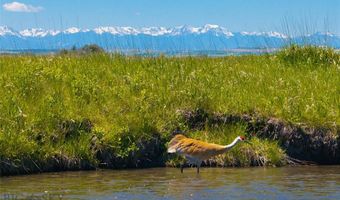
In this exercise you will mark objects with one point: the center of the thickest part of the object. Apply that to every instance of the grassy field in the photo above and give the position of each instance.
(73, 107)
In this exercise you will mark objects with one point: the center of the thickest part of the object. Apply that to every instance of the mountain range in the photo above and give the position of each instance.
(178, 39)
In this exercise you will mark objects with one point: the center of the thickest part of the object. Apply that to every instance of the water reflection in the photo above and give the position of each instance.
(168, 183)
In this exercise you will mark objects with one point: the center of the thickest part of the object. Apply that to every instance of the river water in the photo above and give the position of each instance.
(310, 182)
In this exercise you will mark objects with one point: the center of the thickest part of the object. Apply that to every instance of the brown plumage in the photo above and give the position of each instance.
(196, 151)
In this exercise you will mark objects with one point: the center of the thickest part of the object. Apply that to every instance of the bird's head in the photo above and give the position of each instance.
(243, 139)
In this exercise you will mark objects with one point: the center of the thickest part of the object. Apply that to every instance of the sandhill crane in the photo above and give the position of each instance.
(195, 151)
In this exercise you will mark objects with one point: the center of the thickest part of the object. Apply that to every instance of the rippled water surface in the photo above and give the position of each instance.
(312, 182)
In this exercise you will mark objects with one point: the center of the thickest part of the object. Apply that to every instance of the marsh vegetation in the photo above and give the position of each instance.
(82, 111)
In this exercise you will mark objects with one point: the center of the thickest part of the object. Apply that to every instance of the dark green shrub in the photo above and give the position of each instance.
(91, 48)
(87, 49)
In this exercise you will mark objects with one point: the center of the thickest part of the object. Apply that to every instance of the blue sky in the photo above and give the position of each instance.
(236, 15)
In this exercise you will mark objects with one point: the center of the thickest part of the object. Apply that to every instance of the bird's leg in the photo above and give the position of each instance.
(198, 166)
(182, 166)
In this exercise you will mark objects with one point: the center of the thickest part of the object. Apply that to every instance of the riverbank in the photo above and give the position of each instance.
(72, 112)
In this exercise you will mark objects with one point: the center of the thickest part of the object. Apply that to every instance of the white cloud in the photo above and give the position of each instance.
(20, 7)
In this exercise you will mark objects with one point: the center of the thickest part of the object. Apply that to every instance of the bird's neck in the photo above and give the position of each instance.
(231, 145)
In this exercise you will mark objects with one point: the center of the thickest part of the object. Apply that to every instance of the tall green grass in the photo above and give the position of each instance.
(142, 95)
(311, 56)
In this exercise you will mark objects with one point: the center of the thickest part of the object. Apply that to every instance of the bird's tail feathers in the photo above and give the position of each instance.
(171, 150)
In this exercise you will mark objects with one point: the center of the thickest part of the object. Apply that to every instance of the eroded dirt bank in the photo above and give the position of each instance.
(302, 144)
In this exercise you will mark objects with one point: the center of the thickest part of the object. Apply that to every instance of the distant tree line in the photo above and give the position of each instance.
(87, 49)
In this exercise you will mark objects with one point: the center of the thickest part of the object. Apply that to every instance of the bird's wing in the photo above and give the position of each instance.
(199, 149)
(194, 148)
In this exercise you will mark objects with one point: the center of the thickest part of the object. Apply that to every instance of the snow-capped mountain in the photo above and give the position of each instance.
(181, 38)
(38, 32)
(6, 31)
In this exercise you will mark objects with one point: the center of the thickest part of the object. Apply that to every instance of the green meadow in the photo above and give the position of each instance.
(82, 110)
